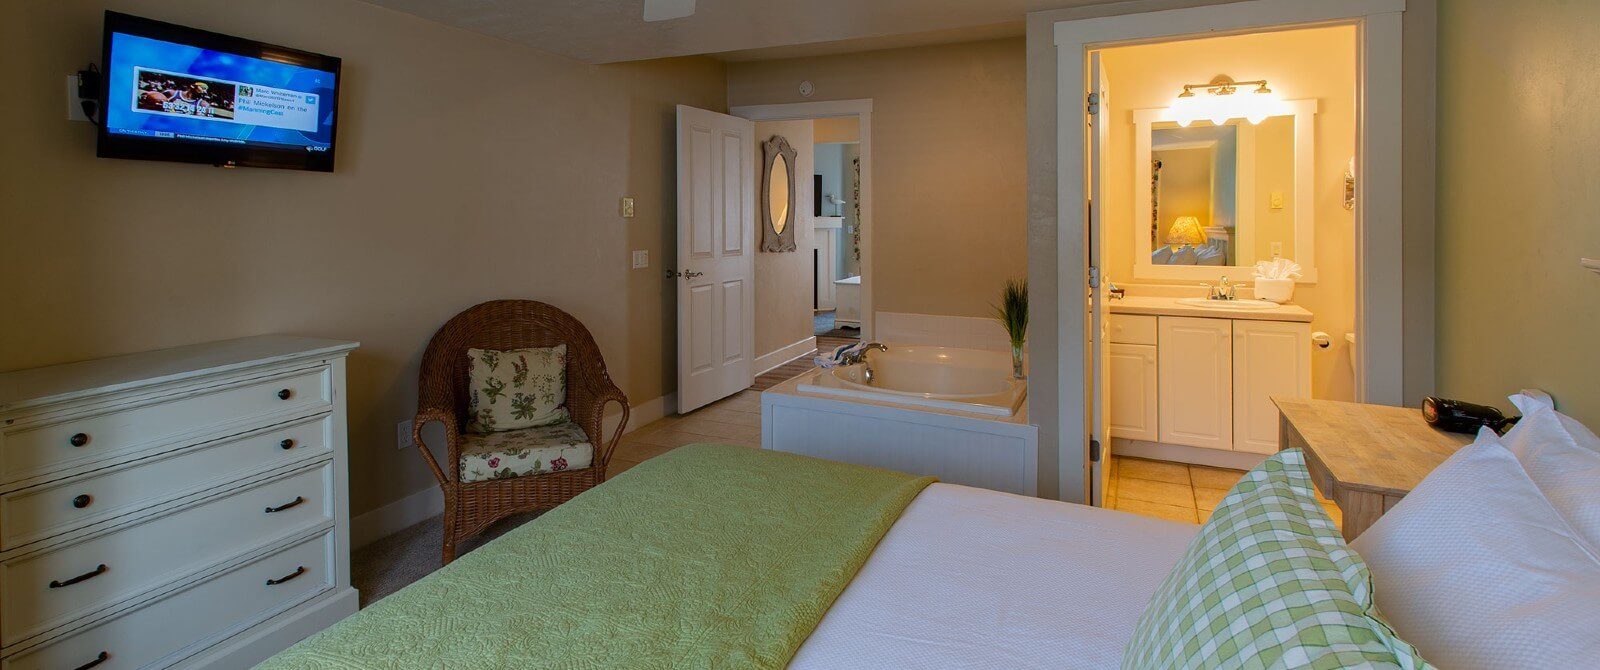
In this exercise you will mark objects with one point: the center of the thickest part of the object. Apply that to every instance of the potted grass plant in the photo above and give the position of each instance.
(1012, 313)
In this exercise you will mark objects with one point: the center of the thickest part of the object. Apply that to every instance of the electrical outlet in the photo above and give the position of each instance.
(1277, 250)
(1276, 200)
(641, 258)
(74, 103)
(627, 207)
(402, 433)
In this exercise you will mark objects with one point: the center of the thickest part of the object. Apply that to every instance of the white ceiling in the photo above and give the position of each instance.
(608, 31)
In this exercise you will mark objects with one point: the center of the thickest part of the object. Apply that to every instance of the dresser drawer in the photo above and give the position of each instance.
(30, 449)
(51, 587)
(1133, 329)
(165, 631)
(35, 513)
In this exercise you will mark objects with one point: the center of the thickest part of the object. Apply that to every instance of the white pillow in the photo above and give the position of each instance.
(1478, 570)
(1563, 458)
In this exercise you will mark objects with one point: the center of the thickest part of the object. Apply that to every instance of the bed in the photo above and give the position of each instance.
(720, 556)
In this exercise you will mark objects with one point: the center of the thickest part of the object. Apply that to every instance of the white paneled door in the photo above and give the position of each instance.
(1098, 463)
(716, 262)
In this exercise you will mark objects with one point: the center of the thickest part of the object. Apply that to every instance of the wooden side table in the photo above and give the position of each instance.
(1364, 458)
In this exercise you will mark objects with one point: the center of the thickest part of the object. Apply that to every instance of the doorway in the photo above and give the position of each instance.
(1375, 209)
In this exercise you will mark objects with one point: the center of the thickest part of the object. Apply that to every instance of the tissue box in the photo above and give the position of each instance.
(1274, 290)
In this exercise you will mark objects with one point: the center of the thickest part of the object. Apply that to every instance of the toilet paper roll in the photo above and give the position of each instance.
(1320, 339)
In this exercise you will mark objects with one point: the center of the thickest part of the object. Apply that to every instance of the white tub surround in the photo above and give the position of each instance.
(186, 506)
(1194, 383)
(969, 332)
(966, 380)
(807, 416)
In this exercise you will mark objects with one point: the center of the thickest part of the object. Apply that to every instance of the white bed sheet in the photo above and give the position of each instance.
(972, 578)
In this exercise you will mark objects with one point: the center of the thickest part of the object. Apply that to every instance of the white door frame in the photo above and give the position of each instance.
(1379, 313)
(862, 110)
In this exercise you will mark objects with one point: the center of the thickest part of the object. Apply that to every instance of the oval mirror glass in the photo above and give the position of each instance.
(778, 194)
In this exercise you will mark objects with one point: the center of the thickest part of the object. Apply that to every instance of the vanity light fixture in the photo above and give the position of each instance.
(1222, 101)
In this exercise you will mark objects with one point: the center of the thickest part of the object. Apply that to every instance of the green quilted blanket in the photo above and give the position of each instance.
(706, 557)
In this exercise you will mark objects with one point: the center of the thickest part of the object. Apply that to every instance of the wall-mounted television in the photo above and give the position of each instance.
(173, 93)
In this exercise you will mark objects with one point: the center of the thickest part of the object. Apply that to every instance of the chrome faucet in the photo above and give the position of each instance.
(860, 356)
(1222, 290)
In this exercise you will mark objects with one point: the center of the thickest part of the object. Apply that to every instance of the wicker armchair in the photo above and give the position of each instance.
(469, 508)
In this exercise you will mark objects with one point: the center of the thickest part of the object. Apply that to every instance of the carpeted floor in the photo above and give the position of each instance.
(391, 563)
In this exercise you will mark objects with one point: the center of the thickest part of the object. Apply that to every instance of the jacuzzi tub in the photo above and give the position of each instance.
(967, 380)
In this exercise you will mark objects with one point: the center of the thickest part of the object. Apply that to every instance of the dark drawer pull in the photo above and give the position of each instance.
(78, 439)
(297, 572)
(99, 570)
(284, 394)
(287, 444)
(82, 500)
(97, 661)
(297, 500)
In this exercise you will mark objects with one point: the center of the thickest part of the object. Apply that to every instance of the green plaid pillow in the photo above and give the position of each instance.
(1268, 583)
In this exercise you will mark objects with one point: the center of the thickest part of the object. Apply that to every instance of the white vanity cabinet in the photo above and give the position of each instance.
(1270, 358)
(1198, 389)
(1194, 361)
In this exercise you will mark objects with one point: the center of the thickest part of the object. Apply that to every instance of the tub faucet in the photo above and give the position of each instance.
(861, 357)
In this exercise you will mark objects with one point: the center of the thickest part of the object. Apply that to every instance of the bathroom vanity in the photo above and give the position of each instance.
(1193, 380)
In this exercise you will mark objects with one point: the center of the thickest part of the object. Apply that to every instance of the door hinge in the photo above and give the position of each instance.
(1094, 451)
(1094, 276)
(1091, 104)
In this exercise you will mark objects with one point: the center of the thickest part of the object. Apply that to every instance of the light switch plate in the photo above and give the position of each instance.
(627, 207)
(641, 258)
(1277, 200)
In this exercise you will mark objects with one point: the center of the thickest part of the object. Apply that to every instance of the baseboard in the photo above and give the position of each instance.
(768, 362)
(1177, 453)
(429, 502)
(396, 516)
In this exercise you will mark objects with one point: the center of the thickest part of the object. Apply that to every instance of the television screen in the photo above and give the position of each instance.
(176, 93)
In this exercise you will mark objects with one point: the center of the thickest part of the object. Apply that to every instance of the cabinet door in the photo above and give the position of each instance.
(1195, 363)
(1132, 369)
(1270, 358)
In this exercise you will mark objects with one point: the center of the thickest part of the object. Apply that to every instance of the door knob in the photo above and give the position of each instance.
(691, 274)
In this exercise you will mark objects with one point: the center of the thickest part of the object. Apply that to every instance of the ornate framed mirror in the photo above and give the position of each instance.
(777, 195)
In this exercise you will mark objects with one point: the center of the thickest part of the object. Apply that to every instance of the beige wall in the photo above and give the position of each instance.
(948, 156)
(784, 280)
(840, 129)
(1301, 64)
(503, 182)
(1518, 199)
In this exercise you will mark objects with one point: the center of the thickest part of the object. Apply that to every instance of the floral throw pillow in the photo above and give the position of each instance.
(516, 389)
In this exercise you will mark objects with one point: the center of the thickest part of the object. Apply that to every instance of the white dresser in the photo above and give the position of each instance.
(185, 507)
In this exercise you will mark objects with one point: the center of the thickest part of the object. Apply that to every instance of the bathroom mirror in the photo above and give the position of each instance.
(777, 195)
(1222, 197)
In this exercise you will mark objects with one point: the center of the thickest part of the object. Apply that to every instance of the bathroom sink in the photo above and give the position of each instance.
(1227, 304)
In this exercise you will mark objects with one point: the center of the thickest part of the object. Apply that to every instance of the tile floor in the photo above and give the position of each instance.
(1174, 491)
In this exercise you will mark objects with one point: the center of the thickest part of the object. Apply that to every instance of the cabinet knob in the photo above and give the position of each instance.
(78, 439)
(284, 394)
(82, 500)
(286, 444)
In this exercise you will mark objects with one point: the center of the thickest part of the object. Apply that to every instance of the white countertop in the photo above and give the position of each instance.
(1165, 306)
